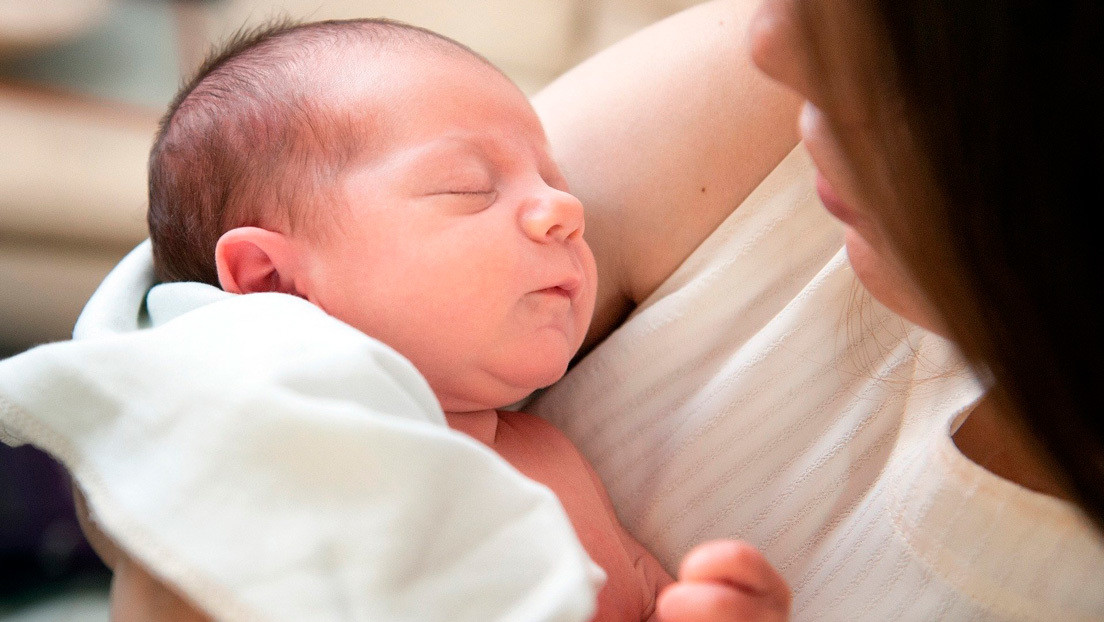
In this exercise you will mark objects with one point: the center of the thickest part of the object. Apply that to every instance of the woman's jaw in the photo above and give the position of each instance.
(868, 248)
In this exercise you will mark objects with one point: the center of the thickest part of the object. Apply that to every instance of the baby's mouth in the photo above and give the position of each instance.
(565, 287)
(557, 290)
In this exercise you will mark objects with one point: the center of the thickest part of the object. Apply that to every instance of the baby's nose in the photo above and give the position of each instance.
(554, 215)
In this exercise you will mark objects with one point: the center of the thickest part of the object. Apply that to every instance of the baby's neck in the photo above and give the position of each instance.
(482, 425)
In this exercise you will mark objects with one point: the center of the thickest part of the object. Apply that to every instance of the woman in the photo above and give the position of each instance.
(946, 139)
(943, 149)
(979, 141)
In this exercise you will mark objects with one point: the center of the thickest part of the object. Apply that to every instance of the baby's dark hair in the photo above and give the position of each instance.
(250, 138)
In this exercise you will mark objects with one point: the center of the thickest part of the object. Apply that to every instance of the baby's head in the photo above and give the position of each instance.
(395, 179)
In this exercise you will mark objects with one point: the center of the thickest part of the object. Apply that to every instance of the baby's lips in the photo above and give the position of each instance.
(559, 290)
(569, 285)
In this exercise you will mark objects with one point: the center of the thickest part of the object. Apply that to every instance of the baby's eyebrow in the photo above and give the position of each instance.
(443, 163)
(445, 150)
(487, 151)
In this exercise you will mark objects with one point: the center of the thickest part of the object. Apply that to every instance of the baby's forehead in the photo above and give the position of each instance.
(409, 91)
(374, 81)
(363, 56)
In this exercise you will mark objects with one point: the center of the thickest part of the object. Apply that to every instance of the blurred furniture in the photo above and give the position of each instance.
(35, 24)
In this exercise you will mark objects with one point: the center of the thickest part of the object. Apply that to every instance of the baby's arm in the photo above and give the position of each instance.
(136, 595)
(725, 581)
(646, 563)
(719, 581)
(661, 136)
(654, 577)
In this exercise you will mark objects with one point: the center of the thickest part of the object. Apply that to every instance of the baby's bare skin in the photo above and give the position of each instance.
(544, 454)
(459, 246)
(721, 580)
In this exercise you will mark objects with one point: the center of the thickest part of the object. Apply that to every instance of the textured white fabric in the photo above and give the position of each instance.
(760, 394)
(276, 464)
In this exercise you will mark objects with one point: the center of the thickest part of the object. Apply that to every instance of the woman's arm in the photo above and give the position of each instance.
(662, 136)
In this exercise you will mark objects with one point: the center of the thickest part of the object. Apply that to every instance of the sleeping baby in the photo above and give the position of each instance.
(401, 183)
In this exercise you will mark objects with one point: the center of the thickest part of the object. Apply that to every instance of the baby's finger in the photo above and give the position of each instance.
(739, 565)
(715, 602)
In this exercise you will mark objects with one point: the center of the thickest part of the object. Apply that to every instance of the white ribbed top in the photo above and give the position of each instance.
(760, 394)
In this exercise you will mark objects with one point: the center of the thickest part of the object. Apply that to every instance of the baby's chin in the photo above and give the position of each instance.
(533, 377)
(499, 389)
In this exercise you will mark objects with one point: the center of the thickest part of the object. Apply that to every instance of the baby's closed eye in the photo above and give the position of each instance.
(464, 200)
(471, 192)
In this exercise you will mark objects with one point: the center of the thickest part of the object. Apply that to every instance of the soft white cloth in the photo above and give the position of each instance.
(760, 394)
(274, 463)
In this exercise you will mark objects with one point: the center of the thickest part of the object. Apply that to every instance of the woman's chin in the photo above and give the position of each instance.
(887, 282)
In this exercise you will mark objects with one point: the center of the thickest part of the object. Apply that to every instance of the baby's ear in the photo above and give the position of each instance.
(252, 260)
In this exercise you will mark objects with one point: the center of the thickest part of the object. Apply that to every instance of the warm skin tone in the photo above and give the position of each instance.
(667, 80)
(494, 244)
(661, 136)
(670, 130)
(465, 218)
(828, 120)
(456, 217)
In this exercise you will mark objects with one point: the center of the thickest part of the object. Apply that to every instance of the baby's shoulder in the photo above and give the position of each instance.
(523, 422)
(520, 429)
(541, 451)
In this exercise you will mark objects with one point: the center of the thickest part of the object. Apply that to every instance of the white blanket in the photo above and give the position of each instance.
(274, 463)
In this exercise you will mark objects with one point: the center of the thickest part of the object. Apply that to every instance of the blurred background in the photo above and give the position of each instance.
(82, 86)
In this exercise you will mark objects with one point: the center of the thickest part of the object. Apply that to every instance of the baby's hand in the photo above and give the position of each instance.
(725, 580)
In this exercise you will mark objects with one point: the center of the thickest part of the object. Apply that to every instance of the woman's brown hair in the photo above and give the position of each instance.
(989, 117)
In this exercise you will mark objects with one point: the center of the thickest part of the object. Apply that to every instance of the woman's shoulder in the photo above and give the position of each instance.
(661, 137)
